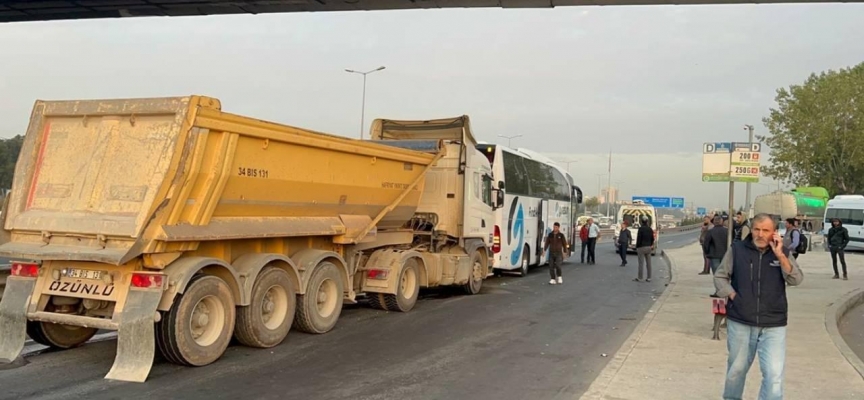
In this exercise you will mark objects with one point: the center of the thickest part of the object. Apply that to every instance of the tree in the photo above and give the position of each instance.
(9, 149)
(817, 132)
(592, 202)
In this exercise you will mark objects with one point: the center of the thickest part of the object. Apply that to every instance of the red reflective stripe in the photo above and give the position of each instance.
(45, 133)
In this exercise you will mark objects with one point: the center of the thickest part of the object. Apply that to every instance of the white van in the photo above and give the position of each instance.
(633, 213)
(850, 210)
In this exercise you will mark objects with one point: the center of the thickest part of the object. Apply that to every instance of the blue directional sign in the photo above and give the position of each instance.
(701, 211)
(662, 202)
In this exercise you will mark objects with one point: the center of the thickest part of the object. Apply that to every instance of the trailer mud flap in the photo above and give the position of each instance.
(13, 317)
(136, 343)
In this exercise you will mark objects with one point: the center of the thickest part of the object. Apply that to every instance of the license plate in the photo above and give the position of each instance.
(76, 273)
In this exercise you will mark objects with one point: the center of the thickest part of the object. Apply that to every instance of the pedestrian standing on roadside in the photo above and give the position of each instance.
(593, 236)
(644, 246)
(583, 237)
(556, 244)
(716, 244)
(838, 238)
(740, 228)
(624, 239)
(706, 226)
(753, 276)
(793, 237)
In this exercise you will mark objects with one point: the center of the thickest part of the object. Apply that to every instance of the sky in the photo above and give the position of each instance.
(649, 83)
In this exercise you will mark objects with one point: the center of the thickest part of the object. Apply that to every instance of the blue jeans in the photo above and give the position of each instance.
(745, 342)
(715, 263)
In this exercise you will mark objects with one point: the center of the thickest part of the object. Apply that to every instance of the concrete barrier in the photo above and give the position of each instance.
(834, 315)
(685, 228)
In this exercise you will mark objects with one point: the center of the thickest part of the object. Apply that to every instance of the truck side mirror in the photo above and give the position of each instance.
(501, 185)
(499, 199)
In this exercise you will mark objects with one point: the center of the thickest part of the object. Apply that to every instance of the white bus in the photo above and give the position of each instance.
(850, 210)
(537, 193)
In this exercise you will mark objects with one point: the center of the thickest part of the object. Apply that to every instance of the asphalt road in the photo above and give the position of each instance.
(521, 338)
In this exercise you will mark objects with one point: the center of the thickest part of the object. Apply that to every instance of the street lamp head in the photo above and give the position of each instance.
(380, 68)
(350, 70)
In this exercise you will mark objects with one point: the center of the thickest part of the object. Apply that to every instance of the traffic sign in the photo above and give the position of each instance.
(745, 162)
(661, 202)
(731, 161)
(701, 211)
(715, 161)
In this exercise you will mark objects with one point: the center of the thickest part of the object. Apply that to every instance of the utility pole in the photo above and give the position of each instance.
(363, 107)
(747, 204)
(609, 184)
(509, 138)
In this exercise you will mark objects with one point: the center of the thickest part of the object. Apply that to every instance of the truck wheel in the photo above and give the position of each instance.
(319, 309)
(59, 336)
(475, 280)
(523, 270)
(408, 289)
(267, 319)
(197, 329)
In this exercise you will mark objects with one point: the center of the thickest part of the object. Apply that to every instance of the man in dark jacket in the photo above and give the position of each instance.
(753, 275)
(644, 246)
(624, 239)
(716, 243)
(838, 238)
(706, 226)
(556, 244)
(583, 236)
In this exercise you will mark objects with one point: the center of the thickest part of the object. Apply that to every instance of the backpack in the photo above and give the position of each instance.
(802, 243)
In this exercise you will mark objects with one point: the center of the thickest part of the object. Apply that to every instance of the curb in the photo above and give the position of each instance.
(834, 315)
(598, 388)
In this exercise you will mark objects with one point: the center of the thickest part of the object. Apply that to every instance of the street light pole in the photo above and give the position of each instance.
(363, 107)
(509, 139)
(747, 204)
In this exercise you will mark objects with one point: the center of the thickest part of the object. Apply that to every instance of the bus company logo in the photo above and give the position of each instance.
(516, 226)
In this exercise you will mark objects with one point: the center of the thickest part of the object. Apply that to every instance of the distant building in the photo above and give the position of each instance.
(613, 195)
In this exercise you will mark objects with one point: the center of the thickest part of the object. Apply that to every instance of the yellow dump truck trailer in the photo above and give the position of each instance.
(180, 225)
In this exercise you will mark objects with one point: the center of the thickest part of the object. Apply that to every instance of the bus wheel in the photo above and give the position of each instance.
(478, 269)
(197, 329)
(523, 269)
(58, 336)
(319, 309)
(267, 319)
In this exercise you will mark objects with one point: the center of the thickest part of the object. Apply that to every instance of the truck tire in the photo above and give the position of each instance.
(266, 321)
(59, 336)
(319, 309)
(197, 329)
(478, 267)
(407, 289)
(523, 269)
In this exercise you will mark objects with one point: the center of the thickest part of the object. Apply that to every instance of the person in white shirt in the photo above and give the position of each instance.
(593, 236)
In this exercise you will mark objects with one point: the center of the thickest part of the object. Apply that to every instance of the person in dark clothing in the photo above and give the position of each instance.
(706, 226)
(793, 236)
(740, 229)
(644, 246)
(624, 239)
(716, 243)
(556, 244)
(753, 275)
(583, 236)
(838, 238)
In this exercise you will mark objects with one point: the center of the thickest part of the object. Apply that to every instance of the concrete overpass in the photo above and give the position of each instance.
(46, 10)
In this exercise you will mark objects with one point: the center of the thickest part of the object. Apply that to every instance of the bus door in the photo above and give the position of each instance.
(543, 229)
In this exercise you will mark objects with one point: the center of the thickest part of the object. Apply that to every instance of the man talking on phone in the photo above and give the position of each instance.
(753, 275)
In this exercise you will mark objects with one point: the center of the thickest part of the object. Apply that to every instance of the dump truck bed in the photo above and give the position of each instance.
(108, 180)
